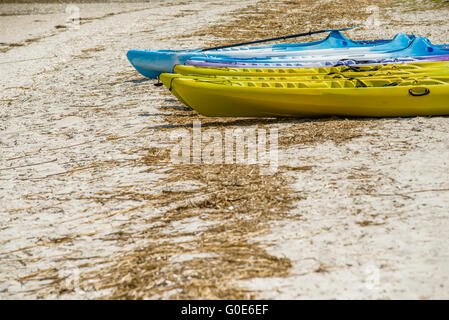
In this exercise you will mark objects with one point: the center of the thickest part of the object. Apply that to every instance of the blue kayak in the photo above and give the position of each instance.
(418, 47)
(151, 63)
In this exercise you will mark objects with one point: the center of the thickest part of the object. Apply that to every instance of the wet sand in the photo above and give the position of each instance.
(80, 197)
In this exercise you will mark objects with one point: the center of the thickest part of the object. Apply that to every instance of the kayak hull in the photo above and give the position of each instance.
(151, 64)
(220, 100)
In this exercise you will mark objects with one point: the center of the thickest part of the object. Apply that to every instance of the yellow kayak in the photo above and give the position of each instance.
(358, 97)
(167, 79)
(421, 67)
(319, 76)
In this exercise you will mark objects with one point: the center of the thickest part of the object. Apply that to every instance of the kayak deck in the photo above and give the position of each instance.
(420, 67)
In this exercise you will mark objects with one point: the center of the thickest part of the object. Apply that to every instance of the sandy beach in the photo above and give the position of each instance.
(91, 207)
